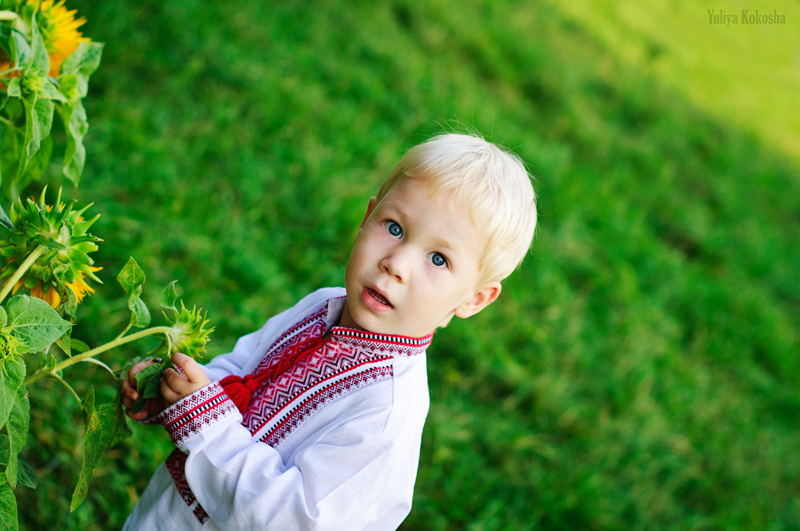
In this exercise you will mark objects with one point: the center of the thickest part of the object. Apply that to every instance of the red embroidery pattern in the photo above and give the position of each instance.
(352, 360)
(187, 417)
(176, 465)
(294, 417)
(176, 462)
(280, 344)
(390, 345)
(284, 404)
(201, 514)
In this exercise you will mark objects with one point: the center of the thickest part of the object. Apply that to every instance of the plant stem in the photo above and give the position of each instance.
(103, 365)
(71, 390)
(94, 352)
(35, 254)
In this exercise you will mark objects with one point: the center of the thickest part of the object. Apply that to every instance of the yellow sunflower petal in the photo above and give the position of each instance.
(36, 291)
(52, 297)
(80, 288)
(19, 284)
(60, 30)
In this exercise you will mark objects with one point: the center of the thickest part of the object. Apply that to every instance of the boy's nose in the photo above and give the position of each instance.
(396, 265)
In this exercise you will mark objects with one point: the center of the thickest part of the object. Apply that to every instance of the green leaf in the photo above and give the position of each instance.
(169, 296)
(76, 126)
(40, 63)
(5, 220)
(11, 151)
(123, 430)
(12, 374)
(54, 245)
(38, 122)
(68, 86)
(17, 429)
(4, 447)
(100, 431)
(147, 384)
(20, 49)
(8, 510)
(69, 303)
(35, 322)
(131, 277)
(50, 91)
(140, 315)
(15, 88)
(5, 39)
(3, 317)
(39, 161)
(78, 345)
(65, 344)
(27, 475)
(87, 404)
(82, 63)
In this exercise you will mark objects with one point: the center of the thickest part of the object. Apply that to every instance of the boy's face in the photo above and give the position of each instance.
(414, 265)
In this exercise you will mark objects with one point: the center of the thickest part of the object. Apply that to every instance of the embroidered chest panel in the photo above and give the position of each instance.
(350, 361)
(335, 369)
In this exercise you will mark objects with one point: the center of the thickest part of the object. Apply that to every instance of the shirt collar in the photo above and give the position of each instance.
(365, 339)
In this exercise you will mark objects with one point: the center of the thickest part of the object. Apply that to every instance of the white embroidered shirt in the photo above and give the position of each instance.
(332, 444)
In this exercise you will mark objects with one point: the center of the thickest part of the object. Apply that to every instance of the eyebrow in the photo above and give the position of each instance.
(444, 244)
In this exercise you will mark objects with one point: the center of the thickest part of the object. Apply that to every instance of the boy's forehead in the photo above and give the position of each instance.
(455, 221)
(410, 191)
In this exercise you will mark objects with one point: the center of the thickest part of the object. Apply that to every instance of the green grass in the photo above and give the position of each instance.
(639, 371)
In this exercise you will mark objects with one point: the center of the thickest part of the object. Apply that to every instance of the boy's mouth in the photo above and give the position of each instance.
(375, 301)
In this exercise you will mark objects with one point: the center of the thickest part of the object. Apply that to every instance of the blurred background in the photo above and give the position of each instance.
(640, 371)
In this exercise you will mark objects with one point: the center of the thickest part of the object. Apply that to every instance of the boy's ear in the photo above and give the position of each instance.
(482, 298)
(370, 208)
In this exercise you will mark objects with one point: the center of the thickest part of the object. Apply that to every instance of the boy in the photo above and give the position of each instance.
(323, 431)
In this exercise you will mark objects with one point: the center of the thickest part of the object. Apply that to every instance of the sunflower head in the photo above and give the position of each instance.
(189, 335)
(64, 232)
(10, 345)
(59, 29)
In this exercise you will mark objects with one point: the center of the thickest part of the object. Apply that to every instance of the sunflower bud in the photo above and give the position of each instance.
(66, 264)
(10, 345)
(189, 334)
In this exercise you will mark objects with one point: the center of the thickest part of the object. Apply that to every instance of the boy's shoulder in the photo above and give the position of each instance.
(320, 297)
(316, 301)
(308, 305)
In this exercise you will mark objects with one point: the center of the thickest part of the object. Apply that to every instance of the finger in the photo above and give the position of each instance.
(136, 416)
(127, 402)
(166, 391)
(178, 382)
(190, 368)
(128, 391)
(133, 370)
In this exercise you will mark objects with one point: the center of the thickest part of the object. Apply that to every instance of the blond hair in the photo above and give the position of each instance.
(489, 182)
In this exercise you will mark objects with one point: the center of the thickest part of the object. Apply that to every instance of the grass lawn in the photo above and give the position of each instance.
(640, 370)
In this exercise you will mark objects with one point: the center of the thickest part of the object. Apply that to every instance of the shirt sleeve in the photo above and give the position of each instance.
(344, 480)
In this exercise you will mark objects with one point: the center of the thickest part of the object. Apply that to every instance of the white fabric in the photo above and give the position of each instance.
(349, 466)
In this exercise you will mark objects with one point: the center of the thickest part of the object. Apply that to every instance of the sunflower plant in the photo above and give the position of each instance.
(46, 247)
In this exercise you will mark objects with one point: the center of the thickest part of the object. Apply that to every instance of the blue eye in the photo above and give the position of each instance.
(394, 228)
(438, 259)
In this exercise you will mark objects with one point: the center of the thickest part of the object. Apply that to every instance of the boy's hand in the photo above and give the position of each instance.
(152, 406)
(175, 386)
